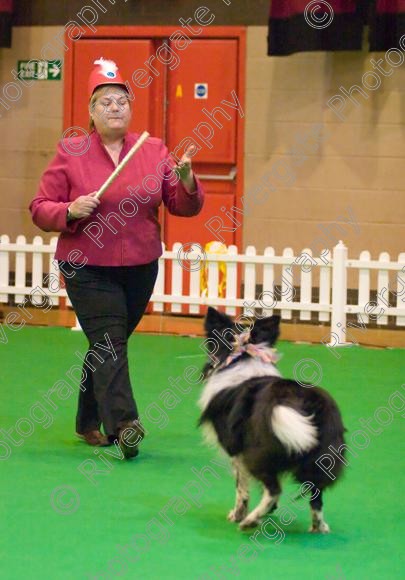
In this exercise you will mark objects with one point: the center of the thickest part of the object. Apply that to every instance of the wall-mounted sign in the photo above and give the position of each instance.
(40, 70)
(201, 91)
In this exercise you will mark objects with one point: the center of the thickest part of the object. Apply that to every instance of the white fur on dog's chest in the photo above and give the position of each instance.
(234, 376)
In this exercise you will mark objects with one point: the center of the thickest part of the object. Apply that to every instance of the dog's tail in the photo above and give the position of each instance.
(296, 432)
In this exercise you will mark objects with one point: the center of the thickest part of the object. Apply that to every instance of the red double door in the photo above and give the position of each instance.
(189, 96)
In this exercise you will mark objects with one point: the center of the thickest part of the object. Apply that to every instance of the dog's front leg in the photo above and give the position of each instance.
(242, 492)
(266, 504)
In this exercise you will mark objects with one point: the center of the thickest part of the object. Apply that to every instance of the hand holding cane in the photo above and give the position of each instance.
(84, 205)
(123, 163)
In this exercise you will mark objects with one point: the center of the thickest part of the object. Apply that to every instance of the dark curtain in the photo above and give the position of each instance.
(291, 30)
(387, 24)
(6, 11)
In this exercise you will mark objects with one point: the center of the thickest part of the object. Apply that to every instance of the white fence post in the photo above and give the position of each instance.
(339, 296)
(159, 288)
(4, 267)
(383, 284)
(177, 277)
(231, 289)
(400, 289)
(324, 287)
(306, 285)
(53, 269)
(20, 269)
(249, 279)
(364, 286)
(287, 283)
(268, 281)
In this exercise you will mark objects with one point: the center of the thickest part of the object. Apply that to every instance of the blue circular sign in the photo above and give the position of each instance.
(201, 90)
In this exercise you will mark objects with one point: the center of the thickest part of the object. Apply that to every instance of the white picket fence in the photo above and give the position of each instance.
(265, 282)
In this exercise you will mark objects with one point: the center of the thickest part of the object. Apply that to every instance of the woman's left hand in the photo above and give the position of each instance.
(184, 171)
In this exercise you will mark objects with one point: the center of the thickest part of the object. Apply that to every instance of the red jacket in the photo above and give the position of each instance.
(124, 230)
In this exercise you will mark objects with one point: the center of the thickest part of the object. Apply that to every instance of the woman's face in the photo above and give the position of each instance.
(111, 111)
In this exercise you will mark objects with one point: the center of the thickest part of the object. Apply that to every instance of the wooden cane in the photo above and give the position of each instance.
(121, 166)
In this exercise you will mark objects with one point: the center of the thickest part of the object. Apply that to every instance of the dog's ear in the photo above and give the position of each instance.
(266, 330)
(215, 320)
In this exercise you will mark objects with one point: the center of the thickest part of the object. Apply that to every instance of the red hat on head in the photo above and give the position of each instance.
(105, 73)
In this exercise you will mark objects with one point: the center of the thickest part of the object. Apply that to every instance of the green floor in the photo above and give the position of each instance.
(365, 511)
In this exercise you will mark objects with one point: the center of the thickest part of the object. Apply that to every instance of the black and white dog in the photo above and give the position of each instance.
(268, 425)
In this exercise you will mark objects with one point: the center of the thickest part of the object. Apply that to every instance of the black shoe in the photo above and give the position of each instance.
(129, 437)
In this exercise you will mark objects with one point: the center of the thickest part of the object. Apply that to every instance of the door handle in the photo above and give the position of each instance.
(213, 177)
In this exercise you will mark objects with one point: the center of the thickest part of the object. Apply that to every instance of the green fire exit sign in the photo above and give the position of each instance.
(40, 70)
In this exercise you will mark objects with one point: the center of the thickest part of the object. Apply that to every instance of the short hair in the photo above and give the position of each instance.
(97, 93)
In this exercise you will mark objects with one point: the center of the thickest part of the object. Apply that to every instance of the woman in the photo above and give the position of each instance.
(109, 248)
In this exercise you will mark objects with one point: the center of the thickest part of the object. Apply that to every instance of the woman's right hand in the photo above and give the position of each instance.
(83, 206)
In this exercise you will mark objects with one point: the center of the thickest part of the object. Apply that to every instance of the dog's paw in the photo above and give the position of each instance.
(248, 523)
(232, 516)
(237, 515)
(322, 528)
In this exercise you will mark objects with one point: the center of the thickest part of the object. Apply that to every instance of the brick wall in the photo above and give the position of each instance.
(359, 165)
(30, 131)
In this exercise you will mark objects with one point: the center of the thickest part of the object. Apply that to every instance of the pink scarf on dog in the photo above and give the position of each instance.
(260, 351)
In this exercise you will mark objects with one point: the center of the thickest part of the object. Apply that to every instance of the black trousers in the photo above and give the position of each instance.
(109, 303)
